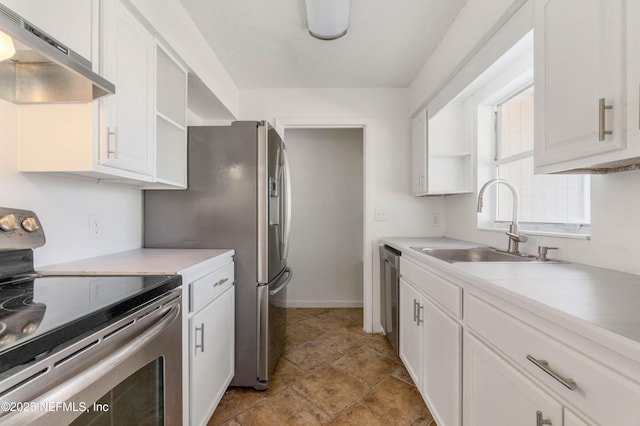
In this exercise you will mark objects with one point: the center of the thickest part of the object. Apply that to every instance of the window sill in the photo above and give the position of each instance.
(585, 235)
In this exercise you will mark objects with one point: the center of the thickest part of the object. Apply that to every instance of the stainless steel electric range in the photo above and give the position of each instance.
(75, 350)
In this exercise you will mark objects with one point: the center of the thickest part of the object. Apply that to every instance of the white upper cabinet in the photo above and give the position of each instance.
(580, 86)
(136, 136)
(171, 121)
(441, 157)
(419, 154)
(126, 132)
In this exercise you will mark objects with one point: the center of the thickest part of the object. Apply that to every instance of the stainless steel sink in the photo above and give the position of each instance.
(475, 254)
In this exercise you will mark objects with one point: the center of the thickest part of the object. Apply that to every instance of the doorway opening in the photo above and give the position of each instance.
(327, 222)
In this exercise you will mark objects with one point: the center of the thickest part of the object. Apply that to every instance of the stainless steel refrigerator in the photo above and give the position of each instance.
(238, 197)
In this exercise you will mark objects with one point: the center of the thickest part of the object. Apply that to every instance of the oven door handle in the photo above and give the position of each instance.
(67, 390)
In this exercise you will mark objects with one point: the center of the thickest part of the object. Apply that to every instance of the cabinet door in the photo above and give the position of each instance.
(497, 394)
(570, 419)
(419, 154)
(411, 333)
(579, 59)
(211, 348)
(128, 61)
(442, 365)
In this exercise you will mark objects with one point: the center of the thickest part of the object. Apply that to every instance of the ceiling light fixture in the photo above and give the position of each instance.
(328, 19)
(7, 49)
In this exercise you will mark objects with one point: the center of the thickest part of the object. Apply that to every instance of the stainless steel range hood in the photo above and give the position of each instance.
(43, 70)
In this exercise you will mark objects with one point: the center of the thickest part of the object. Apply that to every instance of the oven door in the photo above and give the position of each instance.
(127, 373)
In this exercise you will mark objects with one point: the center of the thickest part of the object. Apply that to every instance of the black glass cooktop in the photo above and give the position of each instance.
(39, 313)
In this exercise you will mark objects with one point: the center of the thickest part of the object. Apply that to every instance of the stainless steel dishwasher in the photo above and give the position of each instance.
(389, 293)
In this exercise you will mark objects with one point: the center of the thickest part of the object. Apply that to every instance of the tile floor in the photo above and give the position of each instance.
(332, 373)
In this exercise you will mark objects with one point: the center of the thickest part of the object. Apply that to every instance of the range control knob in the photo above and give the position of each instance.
(8, 223)
(30, 224)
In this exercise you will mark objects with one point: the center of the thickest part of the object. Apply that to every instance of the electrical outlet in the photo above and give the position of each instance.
(435, 219)
(95, 227)
(381, 215)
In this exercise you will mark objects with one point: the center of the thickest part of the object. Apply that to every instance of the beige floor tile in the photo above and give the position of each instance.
(330, 378)
(381, 344)
(302, 332)
(342, 340)
(330, 389)
(358, 414)
(311, 356)
(294, 315)
(313, 312)
(397, 402)
(368, 365)
(235, 401)
(285, 408)
(284, 374)
(347, 314)
(401, 373)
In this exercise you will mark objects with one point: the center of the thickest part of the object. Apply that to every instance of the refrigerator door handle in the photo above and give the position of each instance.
(276, 290)
(287, 204)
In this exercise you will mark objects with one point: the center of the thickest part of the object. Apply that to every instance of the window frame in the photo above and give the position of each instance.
(576, 229)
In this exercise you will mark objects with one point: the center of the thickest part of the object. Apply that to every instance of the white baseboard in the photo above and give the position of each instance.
(324, 304)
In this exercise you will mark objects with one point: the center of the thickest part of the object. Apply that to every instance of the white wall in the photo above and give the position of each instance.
(63, 205)
(387, 161)
(327, 217)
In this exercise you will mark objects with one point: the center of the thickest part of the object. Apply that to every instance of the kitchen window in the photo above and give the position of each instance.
(552, 203)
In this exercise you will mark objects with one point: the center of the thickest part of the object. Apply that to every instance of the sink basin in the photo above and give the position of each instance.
(475, 254)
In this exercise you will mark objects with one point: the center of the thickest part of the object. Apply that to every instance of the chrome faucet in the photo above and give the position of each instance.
(514, 237)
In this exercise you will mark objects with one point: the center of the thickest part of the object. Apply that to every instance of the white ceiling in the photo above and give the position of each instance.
(266, 44)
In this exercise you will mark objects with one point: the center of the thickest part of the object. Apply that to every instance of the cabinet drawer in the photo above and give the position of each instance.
(448, 295)
(208, 287)
(604, 395)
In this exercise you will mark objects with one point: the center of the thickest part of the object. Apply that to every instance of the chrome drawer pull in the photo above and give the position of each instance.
(544, 366)
(222, 281)
(415, 310)
(540, 421)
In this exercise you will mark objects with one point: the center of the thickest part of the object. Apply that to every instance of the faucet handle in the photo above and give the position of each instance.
(542, 252)
(521, 238)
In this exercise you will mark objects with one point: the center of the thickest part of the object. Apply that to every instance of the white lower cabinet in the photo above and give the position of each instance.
(411, 333)
(442, 362)
(211, 344)
(430, 347)
(209, 358)
(496, 394)
(488, 361)
(571, 419)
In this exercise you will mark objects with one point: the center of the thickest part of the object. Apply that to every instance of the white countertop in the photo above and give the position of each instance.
(601, 304)
(190, 263)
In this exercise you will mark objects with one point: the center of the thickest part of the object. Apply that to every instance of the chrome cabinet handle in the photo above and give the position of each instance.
(222, 281)
(540, 421)
(544, 366)
(601, 119)
(114, 134)
(201, 345)
(420, 317)
(415, 310)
